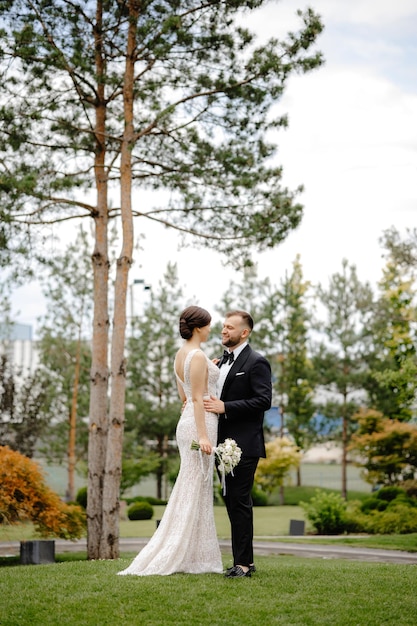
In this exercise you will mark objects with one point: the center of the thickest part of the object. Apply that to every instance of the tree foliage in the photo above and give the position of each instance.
(153, 405)
(282, 455)
(65, 353)
(202, 90)
(387, 448)
(392, 359)
(296, 375)
(339, 355)
(24, 496)
(135, 467)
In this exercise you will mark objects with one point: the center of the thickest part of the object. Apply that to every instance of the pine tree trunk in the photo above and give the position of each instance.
(73, 423)
(344, 449)
(109, 548)
(99, 382)
(99, 363)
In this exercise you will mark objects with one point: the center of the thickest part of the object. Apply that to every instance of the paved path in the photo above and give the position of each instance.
(311, 550)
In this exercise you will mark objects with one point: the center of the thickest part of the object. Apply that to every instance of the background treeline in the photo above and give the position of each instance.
(343, 357)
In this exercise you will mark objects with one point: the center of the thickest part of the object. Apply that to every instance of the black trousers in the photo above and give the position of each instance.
(238, 502)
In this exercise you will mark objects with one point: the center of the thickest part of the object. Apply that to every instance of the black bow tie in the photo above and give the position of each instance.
(228, 357)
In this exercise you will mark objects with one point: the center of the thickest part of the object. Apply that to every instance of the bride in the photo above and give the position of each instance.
(186, 538)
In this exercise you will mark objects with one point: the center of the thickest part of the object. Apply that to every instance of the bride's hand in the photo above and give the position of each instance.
(205, 445)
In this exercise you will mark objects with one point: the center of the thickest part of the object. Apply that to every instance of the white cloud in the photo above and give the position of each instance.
(352, 142)
(368, 12)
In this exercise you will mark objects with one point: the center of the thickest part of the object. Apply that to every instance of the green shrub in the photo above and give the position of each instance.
(386, 498)
(400, 519)
(354, 521)
(155, 501)
(373, 504)
(81, 497)
(259, 498)
(134, 499)
(402, 498)
(149, 499)
(326, 512)
(389, 493)
(140, 510)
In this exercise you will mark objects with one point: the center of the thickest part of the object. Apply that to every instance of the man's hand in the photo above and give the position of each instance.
(213, 405)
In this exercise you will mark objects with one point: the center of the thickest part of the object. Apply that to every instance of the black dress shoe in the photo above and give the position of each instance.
(237, 572)
(252, 569)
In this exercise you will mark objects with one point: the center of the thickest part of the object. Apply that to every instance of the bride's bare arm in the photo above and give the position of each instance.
(198, 379)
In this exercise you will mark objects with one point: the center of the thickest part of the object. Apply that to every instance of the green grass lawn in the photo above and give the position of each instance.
(268, 521)
(285, 590)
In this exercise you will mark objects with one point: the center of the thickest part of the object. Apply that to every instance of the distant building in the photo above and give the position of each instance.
(17, 342)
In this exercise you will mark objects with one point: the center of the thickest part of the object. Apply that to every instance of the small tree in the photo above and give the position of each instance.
(153, 405)
(135, 467)
(339, 357)
(24, 496)
(392, 380)
(296, 374)
(281, 456)
(386, 448)
(65, 352)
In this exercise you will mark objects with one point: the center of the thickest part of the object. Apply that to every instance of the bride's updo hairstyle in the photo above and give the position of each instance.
(193, 317)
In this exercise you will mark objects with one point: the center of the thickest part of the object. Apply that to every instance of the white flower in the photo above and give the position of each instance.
(228, 454)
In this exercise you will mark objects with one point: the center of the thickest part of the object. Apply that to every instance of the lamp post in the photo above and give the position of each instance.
(145, 287)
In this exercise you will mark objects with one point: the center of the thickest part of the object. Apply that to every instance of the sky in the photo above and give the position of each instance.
(351, 142)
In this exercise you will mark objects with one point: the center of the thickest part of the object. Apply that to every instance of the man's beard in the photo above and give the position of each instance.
(231, 343)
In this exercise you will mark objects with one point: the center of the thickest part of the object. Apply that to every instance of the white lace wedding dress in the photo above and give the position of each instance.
(186, 538)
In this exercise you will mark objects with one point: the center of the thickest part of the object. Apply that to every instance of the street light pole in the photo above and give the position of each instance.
(145, 287)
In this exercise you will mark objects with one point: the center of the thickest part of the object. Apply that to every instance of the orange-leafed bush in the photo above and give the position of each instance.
(24, 496)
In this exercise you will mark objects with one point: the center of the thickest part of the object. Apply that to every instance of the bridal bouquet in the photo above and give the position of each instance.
(228, 454)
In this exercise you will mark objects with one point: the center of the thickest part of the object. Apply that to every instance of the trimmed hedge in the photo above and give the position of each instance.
(81, 497)
(149, 499)
(140, 510)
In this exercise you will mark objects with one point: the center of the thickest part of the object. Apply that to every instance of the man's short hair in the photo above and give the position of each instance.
(246, 317)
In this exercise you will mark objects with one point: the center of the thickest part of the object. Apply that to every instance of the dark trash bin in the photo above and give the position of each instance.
(297, 527)
(37, 552)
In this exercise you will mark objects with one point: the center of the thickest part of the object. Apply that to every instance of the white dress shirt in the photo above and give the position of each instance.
(225, 368)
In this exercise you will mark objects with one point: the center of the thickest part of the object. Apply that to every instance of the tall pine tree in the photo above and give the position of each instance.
(347, 306)
(102, 96)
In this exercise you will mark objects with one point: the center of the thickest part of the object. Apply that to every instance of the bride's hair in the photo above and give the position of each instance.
(193, 317)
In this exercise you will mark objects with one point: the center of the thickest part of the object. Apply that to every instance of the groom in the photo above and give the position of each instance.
(244, 394)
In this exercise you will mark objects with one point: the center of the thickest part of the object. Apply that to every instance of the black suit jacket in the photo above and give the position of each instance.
(247, 394)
